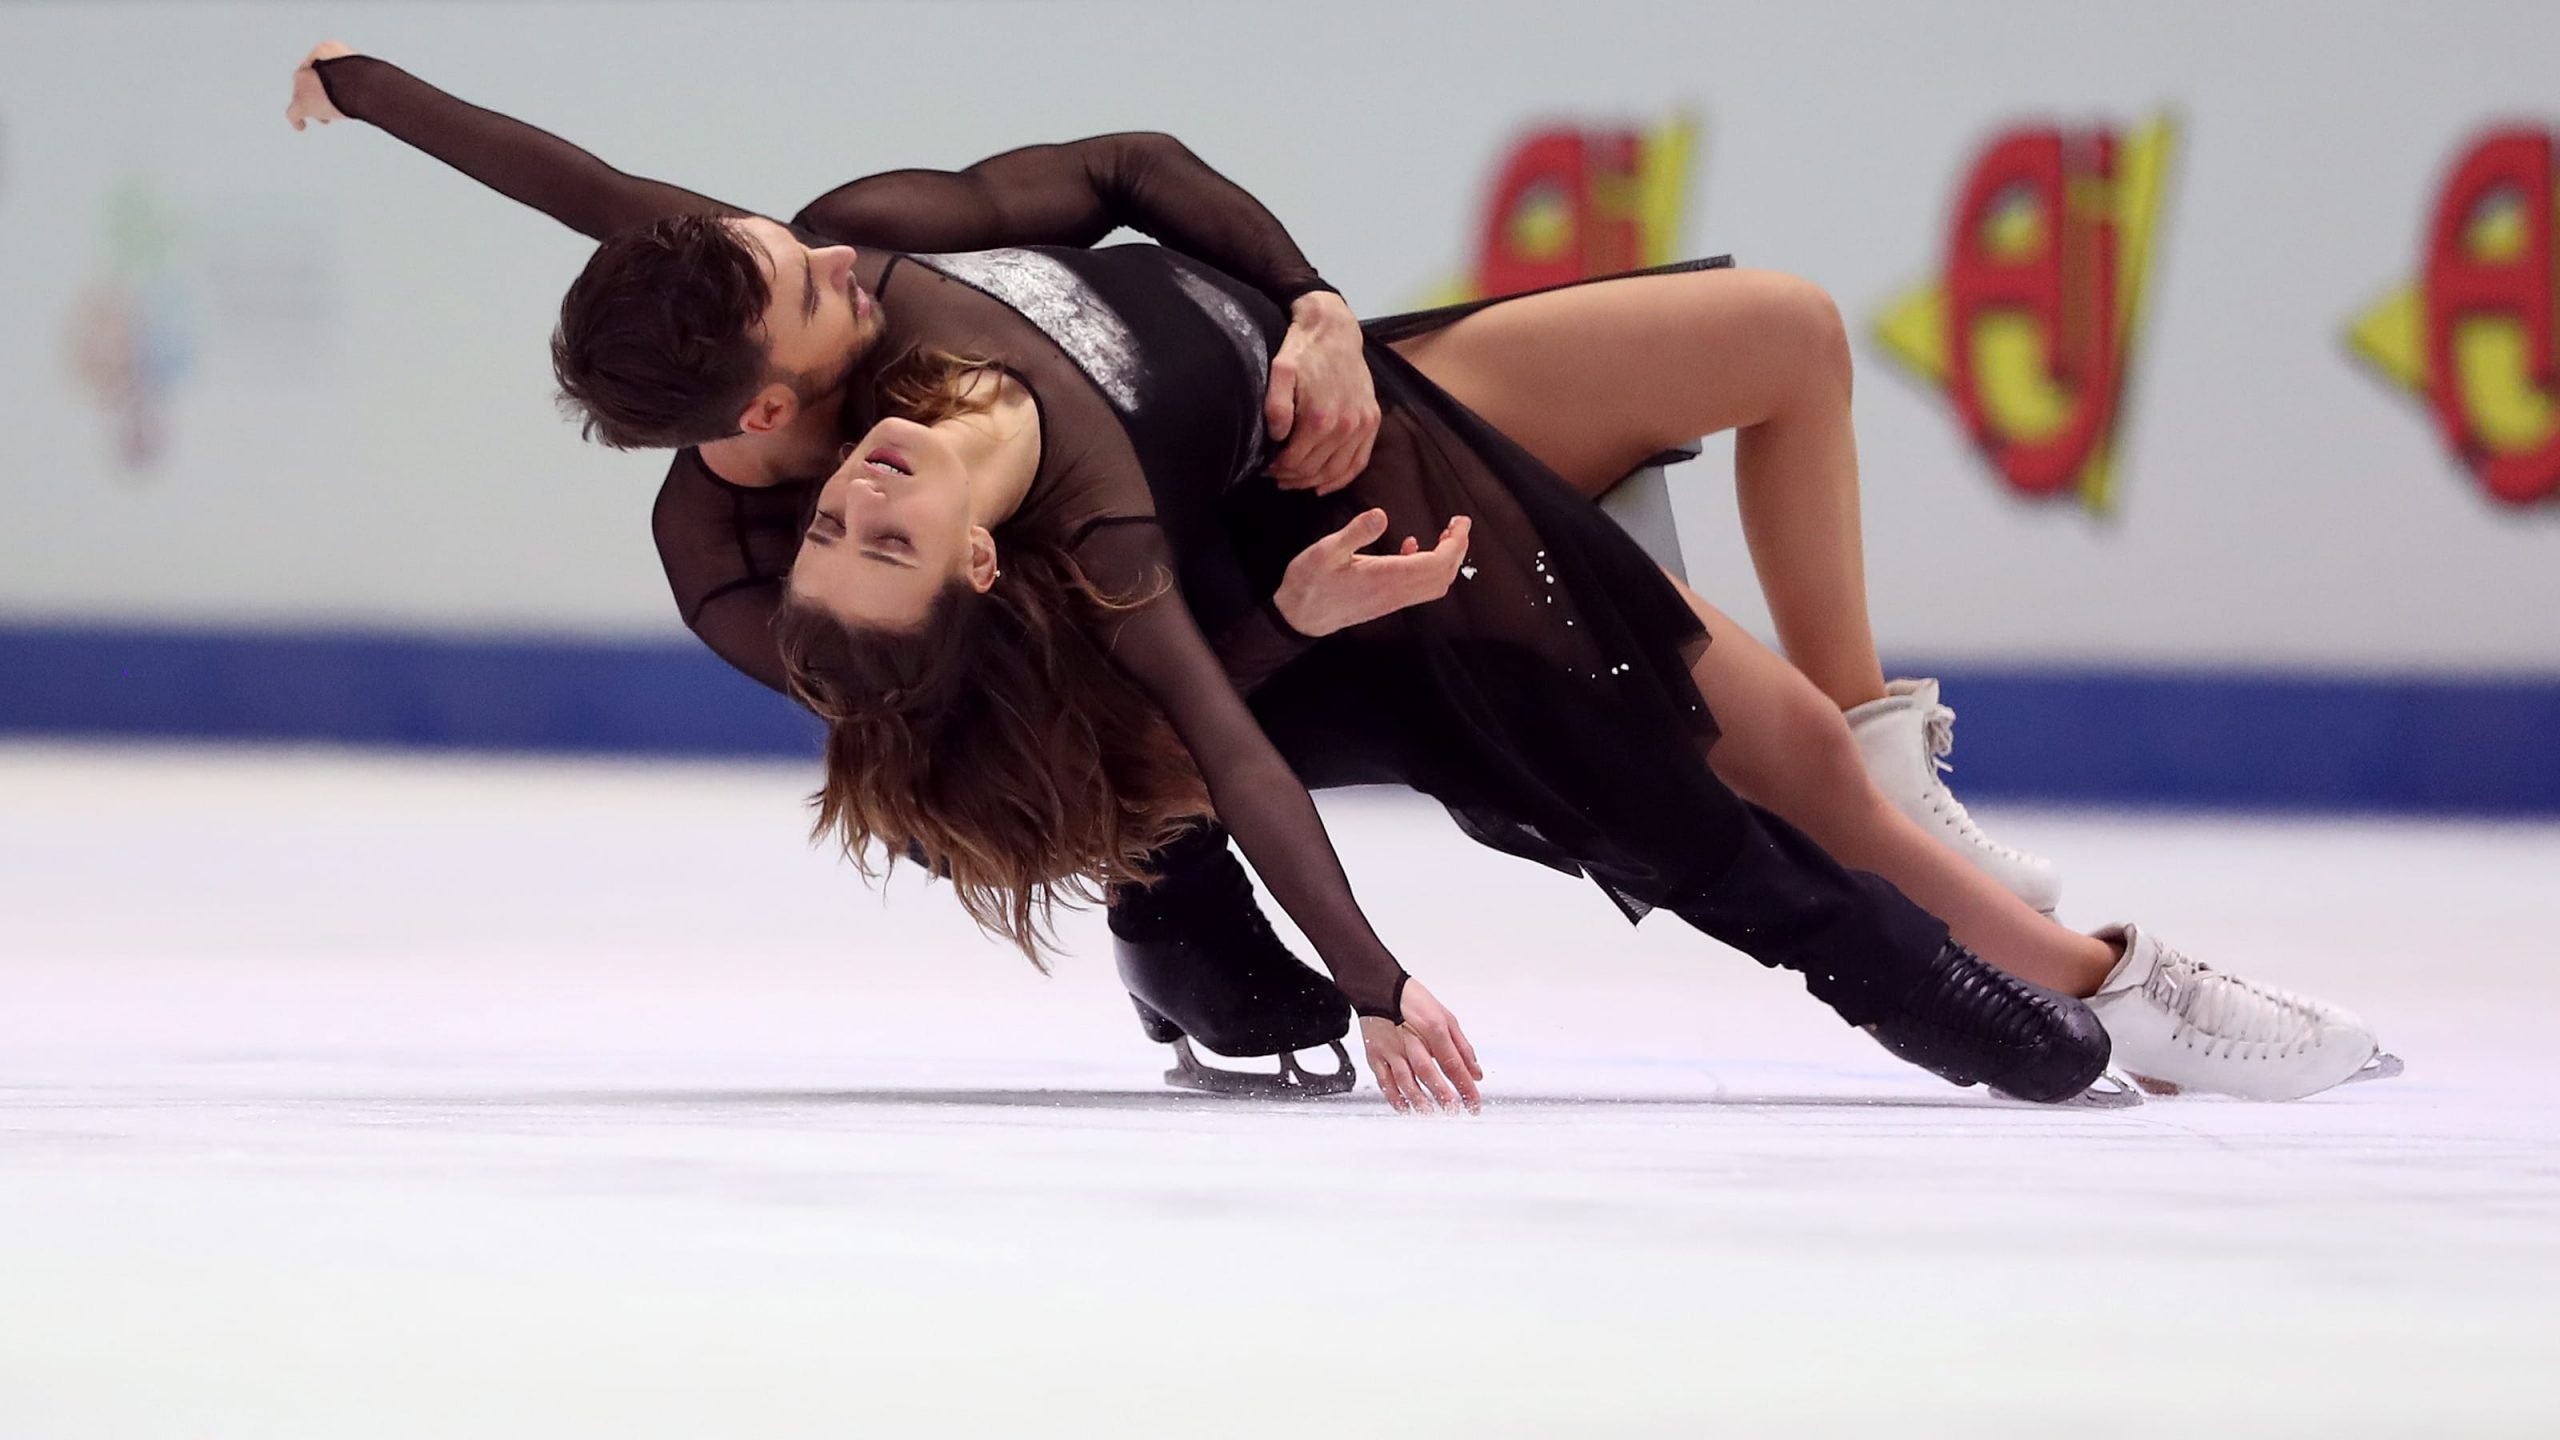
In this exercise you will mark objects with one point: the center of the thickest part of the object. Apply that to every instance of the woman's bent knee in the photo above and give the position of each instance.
(1804, 764)
(1818, 334)
(1789, 323)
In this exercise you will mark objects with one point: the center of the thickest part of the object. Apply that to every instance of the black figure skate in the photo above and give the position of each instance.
(1970, 1024)
(1204, 967)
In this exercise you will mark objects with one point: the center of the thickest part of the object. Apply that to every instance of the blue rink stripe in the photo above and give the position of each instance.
(2209, 738)
(391, 688)
(2279, 740)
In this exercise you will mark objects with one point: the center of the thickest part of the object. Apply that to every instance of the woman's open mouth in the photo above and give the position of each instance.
(890, 460)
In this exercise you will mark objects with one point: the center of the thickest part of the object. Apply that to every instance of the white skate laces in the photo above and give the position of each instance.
(1938, 728)
(1906, 739)
(2181, 1025)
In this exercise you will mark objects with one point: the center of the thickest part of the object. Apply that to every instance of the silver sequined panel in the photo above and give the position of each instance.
(1238, 327)
(1050, 296)
(1230, 318)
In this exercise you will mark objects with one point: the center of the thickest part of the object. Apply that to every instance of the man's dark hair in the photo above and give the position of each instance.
(657, 345)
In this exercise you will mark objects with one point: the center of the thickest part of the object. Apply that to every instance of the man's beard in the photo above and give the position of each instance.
(819, 387)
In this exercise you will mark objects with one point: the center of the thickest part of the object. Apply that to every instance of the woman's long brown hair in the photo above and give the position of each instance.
(996, 743)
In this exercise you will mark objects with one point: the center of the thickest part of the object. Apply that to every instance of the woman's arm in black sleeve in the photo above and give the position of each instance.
(529, 166)
(1258, 798)
(1073, 194)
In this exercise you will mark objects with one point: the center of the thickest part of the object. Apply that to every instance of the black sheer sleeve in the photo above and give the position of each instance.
(1259, 646)
(529, 166)
(737, 623)
(726, 550)
(1259, 799)
(1073, 194)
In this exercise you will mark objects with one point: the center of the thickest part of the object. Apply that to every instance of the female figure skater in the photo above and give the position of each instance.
(999, 612)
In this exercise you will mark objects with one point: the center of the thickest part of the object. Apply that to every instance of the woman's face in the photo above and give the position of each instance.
(892, 530)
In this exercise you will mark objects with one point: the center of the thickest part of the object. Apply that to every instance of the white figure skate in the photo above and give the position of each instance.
(1905, 739)
(2178, 1025)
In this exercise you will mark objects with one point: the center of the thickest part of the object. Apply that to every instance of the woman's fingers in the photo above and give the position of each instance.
(1451, 1061)
(1466, 1050)
(1444, 1096)
(1425, 1067)
(1394, 1057)
(1424, 1088)
(1397, 1080)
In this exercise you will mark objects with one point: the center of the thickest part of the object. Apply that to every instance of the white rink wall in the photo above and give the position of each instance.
(345, 419)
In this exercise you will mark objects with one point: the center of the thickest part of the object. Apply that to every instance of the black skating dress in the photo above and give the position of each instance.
(1546, 701)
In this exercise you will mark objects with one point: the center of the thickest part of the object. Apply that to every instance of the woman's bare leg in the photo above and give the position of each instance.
(1786, 746)
(1595, 379)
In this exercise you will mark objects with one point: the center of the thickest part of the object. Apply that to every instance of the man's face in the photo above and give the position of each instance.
(819, 322)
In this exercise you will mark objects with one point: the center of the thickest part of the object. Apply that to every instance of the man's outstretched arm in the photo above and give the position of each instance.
(1074, 194)
(527, 165)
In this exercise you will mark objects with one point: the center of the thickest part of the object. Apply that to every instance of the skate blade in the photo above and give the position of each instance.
(2383, 1066)
(2112, 1090)
(1292, 1082)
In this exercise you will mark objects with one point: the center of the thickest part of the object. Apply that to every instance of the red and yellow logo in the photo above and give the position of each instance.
(2473, 335)
(2029, 327)
(1569, 203)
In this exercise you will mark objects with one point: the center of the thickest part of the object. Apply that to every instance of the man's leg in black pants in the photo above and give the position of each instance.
(1890, 968)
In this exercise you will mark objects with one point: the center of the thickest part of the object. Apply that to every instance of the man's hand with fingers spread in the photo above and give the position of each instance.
(1333, 586)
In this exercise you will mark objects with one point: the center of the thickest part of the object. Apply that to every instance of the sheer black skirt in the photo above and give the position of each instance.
(1547, 700)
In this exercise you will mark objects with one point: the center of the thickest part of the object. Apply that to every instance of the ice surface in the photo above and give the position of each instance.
(358, 1097)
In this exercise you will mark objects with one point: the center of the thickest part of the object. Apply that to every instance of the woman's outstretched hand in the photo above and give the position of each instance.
(1332, 586)
(311, 98)
(1424, 1063)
